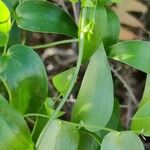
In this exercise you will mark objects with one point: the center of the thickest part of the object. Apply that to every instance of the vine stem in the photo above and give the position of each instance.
(54, 44)
(74, 78)
(36, 115)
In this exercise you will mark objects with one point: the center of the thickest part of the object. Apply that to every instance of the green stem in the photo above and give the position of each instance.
(36, 115)
(54, 44)
(74, 78)
(95, 127)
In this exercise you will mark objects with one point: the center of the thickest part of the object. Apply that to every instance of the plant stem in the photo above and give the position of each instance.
(54, 44)
(74, 78)
(36, 115)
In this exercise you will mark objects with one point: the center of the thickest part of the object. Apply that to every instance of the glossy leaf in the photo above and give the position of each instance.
(95, 27)
(141, 120)
(3, 38)
(14, 36)
(114, 122)
(133, 53)
(95, 99)
(5, 23)
(59, 135)
(40, 16)
(24, 76)
(146, 94)
(88, 141)
(112, 29)
(11, 4)
(125, 140)
(14, 133)
(62, 80)
(88, 3)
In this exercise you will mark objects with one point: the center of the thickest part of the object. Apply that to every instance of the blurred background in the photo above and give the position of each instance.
(128, 82)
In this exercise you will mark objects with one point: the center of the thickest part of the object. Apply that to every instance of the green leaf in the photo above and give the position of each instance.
(141, 120)
(15, 35)
(3, 38)
(112, 29)
(125, 140)
(40, 123)
(95, 99)
(11, 4)
(114, 122)
(133, 53)
(146, 94)
(62, 80)
(5, 23)
(14, 133)
(59, 135)
(95, 21)
(24, 76)
(40, 16)
(88, 3)
(88, 141)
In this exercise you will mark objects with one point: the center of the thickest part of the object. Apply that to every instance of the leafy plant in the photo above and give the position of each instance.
(24, 77)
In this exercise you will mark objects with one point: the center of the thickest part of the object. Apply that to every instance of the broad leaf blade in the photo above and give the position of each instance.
(88, 141)
(141, 119)
(112, 29)
(146, 94)
(62, 80)
(40, 16)
(14, 133)
(5, 23)
(11, 4)
(24, 76)
(133, 53)
(126, 140)
(59, 135)
(95, 99)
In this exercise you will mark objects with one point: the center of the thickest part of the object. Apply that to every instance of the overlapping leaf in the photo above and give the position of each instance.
(14, 133)
(40, 16)
(95, 98)
(24, 76)
(113, 27)
(141, 120)
(88, 141)
(62, 80)
(133, 53)
(5, 23)
(95, 22)
(59, 135)
(125, 140)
